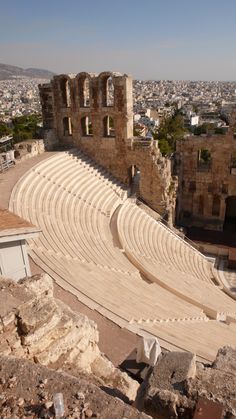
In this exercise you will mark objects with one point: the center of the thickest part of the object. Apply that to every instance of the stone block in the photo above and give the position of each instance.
(114, 378)
(36, 314)
(164, 390)
(226, 360)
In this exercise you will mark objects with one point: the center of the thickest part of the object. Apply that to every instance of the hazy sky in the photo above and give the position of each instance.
(152, 39)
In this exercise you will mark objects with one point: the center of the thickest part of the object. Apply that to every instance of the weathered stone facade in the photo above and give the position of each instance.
(207, 180)
(95, 114)
(27, 149)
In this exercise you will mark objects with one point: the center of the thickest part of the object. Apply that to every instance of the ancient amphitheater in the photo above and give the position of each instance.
(82, 212)
(98, 244)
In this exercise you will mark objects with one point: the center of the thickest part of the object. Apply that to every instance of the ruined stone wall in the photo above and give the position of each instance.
(27, 149)
(46, 97)
(205, 186)
(36, 326)
(84, 111)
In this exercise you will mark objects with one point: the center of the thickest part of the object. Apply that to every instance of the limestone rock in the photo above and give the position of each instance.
(114, 378)
(36, 326)
(165, 389)
(175, 385)
(173, 369)
(39, 284)
(226, 360)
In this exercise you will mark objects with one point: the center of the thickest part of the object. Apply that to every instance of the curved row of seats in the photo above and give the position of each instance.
(46, 210)
(70, 204)
(199, 337)
(72, 201)
(167, 260)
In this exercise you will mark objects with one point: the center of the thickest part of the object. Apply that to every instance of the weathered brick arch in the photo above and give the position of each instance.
(65, 89)
(103, 87)
(84, 100)
(109, 126)
(86, 126)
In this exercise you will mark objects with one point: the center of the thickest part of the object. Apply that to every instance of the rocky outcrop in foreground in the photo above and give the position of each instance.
(177, 383)
(38, 331)
(36, 326)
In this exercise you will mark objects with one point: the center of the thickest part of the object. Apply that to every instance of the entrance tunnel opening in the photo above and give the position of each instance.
(134, 179)
(230, 214)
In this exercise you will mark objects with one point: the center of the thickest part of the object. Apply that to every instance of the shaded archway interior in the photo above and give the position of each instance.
(134, 179)
(230, 214)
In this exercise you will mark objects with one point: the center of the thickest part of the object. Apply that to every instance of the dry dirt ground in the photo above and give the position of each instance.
(115, 342)
(27, 390)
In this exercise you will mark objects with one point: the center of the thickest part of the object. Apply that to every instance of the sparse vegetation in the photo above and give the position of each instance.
(23, 127)
(171, 129)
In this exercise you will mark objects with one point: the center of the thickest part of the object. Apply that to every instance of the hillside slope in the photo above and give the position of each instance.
(10, 71)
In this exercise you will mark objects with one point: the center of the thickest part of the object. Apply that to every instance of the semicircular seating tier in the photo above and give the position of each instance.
(75, 202)
(166, 259)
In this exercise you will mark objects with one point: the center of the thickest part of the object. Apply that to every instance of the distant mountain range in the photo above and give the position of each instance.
(11, 71)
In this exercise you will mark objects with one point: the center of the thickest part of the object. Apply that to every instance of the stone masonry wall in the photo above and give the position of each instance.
(204, 189)
(80, 111)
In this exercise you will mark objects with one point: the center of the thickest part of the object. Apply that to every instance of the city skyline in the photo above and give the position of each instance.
(153, 40)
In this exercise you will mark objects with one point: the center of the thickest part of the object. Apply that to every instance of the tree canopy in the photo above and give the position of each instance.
(22, 127)
(170, 130)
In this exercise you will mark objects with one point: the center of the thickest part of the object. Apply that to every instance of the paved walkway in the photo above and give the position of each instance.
(115, 342)
(9, 178)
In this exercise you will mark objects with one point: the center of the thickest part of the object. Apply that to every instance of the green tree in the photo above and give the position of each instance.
(171, 129)
(25, 127)
(4, 130)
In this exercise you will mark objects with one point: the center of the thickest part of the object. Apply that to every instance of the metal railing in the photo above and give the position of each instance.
(5, 165)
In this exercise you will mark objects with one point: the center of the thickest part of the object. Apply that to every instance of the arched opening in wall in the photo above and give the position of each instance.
(84, 92)
(65, 92)
(204, 160)
(201, 205)
(216, 206)
(230, 214)
(177, 211)
(108, 127)
(233, 164)
(192, 186)
(67, 126)
(110, 92)
(86, 126)
(134, 179)
(107, 91)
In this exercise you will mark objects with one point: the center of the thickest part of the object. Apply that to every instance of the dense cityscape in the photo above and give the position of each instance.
(19, 96)
(118, 210)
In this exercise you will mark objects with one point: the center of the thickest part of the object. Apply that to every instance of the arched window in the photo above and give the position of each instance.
(204, 160)
(86, 126)
(107, 91)
(108, 127)
(201, 205)
(233, 163)
(67, 126)
(110, 92)
(216, 205)
(84, 92)
(65, 92)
